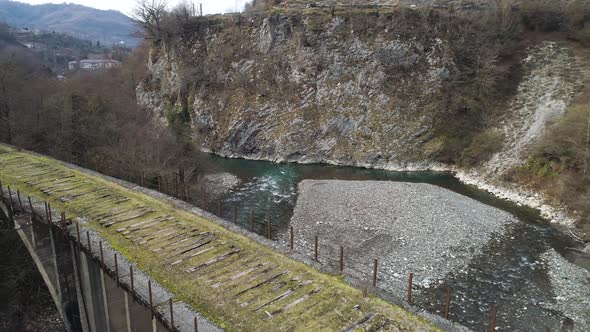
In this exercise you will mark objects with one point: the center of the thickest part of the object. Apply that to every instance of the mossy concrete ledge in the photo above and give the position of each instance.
(235, 280)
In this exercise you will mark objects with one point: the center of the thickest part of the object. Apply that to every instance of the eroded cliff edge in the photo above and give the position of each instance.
(393, 89)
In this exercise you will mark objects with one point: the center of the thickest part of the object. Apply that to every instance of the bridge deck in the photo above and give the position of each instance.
(235, 281)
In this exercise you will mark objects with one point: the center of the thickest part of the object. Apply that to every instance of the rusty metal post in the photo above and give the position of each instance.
(131, 277)
(341, 265)
(49, 214)
(184, 187)
(20, 203)
(150, 295)
(315, 249)
(268, 229)
(10, 197)
(89, 247)
(448, 303)
(171, 316)
(220, 212)
(101, 253)
(291, 237)
(31, 205)
(175, 187)
(375, 272)
(493, 319)
(235, 214)
(117, 270)
(196, 325)
(159, 183)
(252, 221)
(65, 225)
(410, 279)
(78, 232)
(180, 189)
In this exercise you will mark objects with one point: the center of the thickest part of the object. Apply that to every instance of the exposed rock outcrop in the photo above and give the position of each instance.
(383, 90)
(309, 88)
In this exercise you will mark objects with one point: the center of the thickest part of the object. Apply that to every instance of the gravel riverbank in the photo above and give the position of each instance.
(571, 285)
(408, 227)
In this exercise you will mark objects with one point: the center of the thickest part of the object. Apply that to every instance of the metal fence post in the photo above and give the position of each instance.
(171, 316)
(315, 249)
(448, 305)
(375, 272)
(493, 319)
(341, 265)
(410, 279)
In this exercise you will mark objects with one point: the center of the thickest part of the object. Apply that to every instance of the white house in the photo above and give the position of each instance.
(94, 64)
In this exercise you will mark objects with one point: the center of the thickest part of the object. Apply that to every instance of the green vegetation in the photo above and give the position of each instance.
(560, 164)
(91, 119)
(316, 302)
(583, 35)
(482, 148)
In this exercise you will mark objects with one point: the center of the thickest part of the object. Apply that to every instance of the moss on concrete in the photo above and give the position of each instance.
(245, 303)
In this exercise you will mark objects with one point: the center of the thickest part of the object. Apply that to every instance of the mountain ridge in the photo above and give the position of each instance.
(106, 26)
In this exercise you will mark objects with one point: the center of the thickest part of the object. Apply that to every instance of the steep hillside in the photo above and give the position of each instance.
(365, 90)
(106, 26)
(389, 87)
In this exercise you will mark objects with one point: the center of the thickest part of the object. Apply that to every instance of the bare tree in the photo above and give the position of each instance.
(184, 9)
(7, 68)
(507, 21)
(149, 15)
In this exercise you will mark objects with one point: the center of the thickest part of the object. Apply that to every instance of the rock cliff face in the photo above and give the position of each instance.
(389, 90)
(363, 91)
(392, 89)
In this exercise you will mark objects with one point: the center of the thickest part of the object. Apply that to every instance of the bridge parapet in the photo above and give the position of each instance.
(205, 263)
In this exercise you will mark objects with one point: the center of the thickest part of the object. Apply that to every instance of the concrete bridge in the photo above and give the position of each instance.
(117, 257)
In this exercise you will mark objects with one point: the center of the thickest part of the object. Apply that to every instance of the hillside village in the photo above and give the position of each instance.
(65, 54)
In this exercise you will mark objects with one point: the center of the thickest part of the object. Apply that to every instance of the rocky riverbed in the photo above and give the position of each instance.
(486, 255)
(408, 227)
(218, 184)
(571, 285)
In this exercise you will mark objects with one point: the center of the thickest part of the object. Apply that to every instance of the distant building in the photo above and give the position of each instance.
(35, 46)
(94, 64)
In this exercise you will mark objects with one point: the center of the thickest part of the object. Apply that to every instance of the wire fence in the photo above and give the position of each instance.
(440, 299)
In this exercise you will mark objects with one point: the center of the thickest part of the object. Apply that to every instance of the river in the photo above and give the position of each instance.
(509, 272)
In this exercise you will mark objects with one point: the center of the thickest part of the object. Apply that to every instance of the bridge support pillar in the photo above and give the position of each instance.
(86, 286)
(80, 299)
(105, 301)
(127, 315)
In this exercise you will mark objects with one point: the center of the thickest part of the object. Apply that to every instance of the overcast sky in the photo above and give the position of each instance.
(126, 6)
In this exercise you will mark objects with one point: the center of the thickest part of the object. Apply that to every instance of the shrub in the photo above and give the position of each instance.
(582, 35)
(482, 147)
(560, 164)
